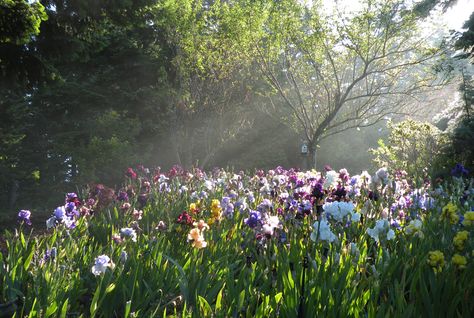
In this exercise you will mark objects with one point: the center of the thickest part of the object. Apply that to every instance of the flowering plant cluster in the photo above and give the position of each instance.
(263, 244)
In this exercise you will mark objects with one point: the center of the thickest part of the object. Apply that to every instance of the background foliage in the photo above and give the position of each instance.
(88, 88)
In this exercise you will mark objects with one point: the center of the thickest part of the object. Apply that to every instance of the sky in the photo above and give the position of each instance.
(453, 18)
(458, 14)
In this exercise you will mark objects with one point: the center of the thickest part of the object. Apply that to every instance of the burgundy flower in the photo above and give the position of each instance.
(131, 174)
(185, 219)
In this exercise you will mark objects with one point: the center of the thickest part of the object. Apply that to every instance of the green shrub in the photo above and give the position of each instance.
(412, 147)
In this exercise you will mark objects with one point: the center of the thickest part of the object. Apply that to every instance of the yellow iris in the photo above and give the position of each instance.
(468, 218)
(436, 260)
(215, 209)
(194, 207)
(449, 213)
(459, 260)
(459, 239)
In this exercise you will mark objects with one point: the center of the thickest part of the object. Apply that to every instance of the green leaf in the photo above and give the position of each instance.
(51, 309)
(95, 301)
(110, 288)
(278, 297)
(22, 240)
(27, 262)
(204, 306)
(219, 299)
(64, 309)
(241, 299)
(128, 306)
(33, 312)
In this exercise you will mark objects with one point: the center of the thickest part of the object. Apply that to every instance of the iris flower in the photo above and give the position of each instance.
(101, 264)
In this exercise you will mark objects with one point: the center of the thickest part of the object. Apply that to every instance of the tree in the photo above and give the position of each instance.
(341, 72)
(20, 70)
(88, 100)
(211, 80)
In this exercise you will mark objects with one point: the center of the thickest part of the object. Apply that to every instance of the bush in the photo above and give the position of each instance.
(411, 147)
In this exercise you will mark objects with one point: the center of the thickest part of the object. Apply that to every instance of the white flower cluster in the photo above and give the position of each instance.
(381, 228)
(271, 223)
(381, 176)
(325, 233)
(338, 210)
(332, 177)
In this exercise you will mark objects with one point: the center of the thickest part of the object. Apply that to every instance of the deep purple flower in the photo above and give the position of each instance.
(459, 171)
(395, 224)
(318, 190)
(24, 216)
(304, 208)
(122, 196)
(299, 183)
(340, 192)
(254, 219)
(373, 196)
(143, 199)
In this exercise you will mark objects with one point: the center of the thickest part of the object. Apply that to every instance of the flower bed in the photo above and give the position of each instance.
(278, 243)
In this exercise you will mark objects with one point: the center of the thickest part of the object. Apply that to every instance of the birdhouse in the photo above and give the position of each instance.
(304, 148)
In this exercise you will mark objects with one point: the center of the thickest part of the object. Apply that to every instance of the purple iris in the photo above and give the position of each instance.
(225, 201)
(265, 206)
(318, 190)
(344, 175)
(50, 254)
(71, 197)
(459, 171)
(299, 183)
(254, 219)
(340, 192)
(24, 216)
(60, 212)
(122, 196)
(396, 225)
(71, 209)
(304, 207)
(354, 181)
(227, 207)
(279, 170)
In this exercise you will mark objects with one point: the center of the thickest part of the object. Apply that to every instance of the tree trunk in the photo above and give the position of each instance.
(315, 156)
(313, 149)
(14, 193)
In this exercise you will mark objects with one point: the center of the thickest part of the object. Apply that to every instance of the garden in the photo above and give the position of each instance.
(236, 158)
